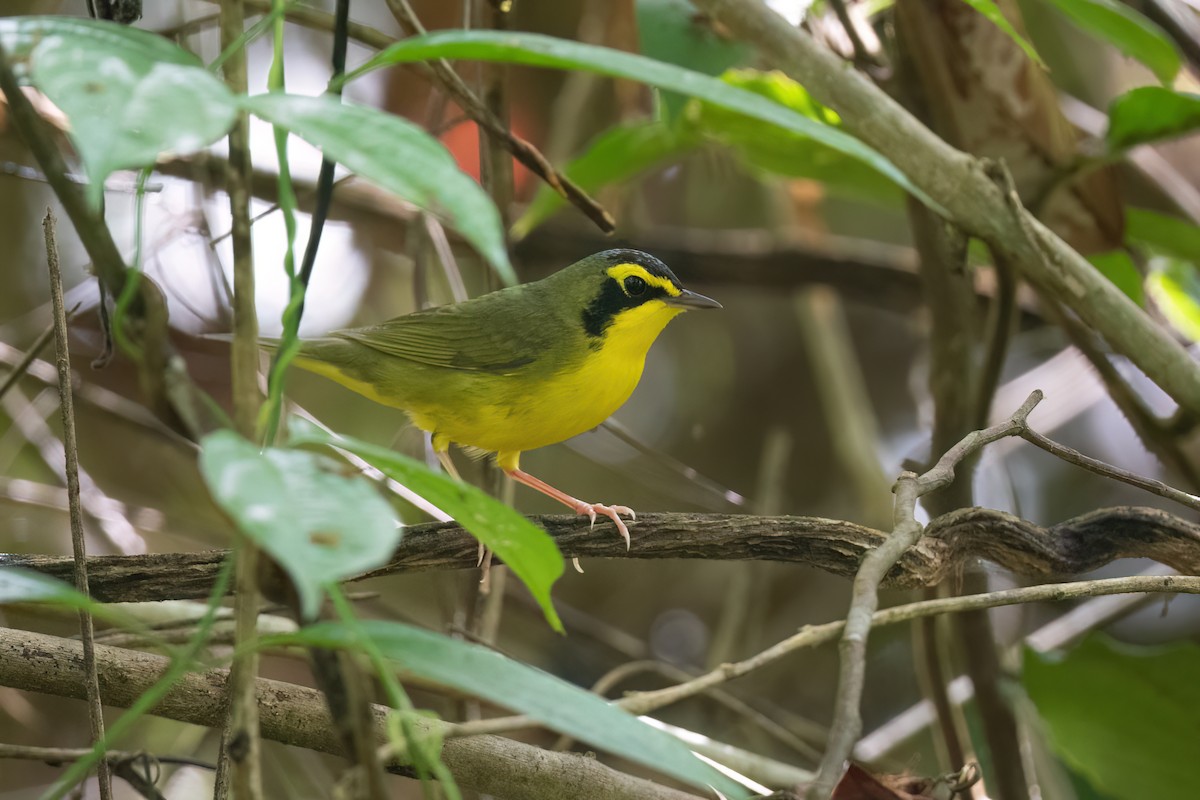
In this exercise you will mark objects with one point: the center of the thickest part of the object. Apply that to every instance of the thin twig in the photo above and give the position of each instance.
(59, 755)
(1159, 436)
(31, 355)
(811, 636)
(1099, 467)
(1058, 633)
(78, 541)
(239, 769)
(863, 58)
(847, 721)
(522, 150)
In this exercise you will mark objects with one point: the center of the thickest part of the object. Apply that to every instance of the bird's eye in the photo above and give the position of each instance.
(635, 286)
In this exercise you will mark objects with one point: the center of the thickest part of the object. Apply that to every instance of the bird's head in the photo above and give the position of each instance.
(631, 296)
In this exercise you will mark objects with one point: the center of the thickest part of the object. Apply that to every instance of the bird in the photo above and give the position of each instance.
(519, 368)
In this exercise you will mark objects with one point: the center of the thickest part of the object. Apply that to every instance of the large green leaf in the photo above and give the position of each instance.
(130, 96)
(559, 705)
(527, 549)
(321, 525)
(1149, 114)
(1175, 287)
(618, 154)
(1128, 31)
(547, 51)
(989, 9)
(397, 155)
(1163, 234)
(783, 152)
(1125, 717)
(672, 31)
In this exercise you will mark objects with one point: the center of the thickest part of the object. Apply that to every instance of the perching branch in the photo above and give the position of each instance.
(1072, 547)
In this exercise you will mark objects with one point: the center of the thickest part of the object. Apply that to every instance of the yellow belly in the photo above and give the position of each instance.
(535, 414)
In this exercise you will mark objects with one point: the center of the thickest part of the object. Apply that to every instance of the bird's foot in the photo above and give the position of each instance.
(592, 510)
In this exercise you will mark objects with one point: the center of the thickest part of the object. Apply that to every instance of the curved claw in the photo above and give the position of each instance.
(612, 512)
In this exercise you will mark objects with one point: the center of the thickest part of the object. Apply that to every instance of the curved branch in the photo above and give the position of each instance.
(1075, 546)
(975, 193)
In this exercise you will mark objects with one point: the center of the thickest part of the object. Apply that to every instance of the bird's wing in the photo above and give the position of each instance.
(473, 336)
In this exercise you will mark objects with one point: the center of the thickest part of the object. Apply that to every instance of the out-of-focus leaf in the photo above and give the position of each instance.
(783, 152)
(1119, 268)
(566, 708)
(546, 51)
(1127, 30)
(1123, 716)
(1149, 114)
(989, 9)
(527, 549)
(130, 96)
(19, 585)
(397, 155)
(1165, 235)
(1175, 287)
(674, 32)
(321, 525)
(618, 154)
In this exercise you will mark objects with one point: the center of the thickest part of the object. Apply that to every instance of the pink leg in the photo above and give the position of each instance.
(579, 507)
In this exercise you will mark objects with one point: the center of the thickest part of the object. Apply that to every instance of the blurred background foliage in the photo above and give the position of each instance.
(737, 411)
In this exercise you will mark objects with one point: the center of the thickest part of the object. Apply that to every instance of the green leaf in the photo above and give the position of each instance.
(559, 705)
(130, 96)
(616, 155)
(1163, 234)
(18, 585)
(1175, 287)
(1128, 31)
(1120, 270)
(397, 155)
(782, 152)
(989, 9)
(1149, 114)
(321, 525)
(527, 549)
(1124, 717)
(546, 51)
(673, 32)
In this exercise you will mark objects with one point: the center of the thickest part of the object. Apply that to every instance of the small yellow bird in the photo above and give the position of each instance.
(519, 368)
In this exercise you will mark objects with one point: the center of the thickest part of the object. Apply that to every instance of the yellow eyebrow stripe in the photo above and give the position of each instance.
(622, 271)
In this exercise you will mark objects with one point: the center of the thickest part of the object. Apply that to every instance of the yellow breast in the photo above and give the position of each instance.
(528, 414)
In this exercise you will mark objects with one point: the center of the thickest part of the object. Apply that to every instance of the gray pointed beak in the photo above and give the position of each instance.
(690, 299)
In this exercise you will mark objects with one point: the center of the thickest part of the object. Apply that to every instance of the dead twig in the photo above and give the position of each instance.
(78, 542)
(847, 720)
(523, 151)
